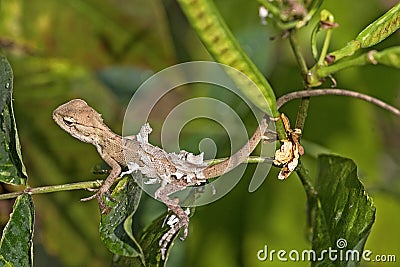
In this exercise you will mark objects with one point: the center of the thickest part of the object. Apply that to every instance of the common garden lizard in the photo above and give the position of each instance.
(173, 171)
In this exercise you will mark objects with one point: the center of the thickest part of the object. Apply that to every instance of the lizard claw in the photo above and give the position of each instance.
(185, 232)
(269, 136)
(104, 209)
(89, 198)
(92, 190)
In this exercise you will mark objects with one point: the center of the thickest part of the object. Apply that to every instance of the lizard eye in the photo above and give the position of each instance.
(68, 121)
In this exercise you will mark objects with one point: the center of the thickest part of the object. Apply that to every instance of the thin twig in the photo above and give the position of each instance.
(340, 92)
(303, 108)
(298, 55)
(53, 188)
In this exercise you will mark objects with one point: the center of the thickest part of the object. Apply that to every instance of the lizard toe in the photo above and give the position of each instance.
(185, 232)
(89, 198)
(104, 209)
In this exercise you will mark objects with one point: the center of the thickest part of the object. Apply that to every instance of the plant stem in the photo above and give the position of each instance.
(311, 193)
(361, 60)
(340, 92)
(53, 188)
(325, 47)
(300, 120)
(299, 57)
(306, 181)
(302, 113)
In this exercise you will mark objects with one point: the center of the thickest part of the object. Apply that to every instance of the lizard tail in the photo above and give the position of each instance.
(241, 155)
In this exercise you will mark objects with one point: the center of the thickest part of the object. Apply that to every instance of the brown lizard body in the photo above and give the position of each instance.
(175, 172)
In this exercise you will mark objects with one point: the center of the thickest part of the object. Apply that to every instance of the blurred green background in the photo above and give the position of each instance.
(101, 51)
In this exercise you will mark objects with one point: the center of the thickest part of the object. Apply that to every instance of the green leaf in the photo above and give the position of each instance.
(343, 211)
(381, 28)
(374, 33)
(12, 169)
(113, 229)
(16, 245)
(121, 261)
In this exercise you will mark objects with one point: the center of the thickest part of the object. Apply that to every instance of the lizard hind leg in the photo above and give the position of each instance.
(163, 194)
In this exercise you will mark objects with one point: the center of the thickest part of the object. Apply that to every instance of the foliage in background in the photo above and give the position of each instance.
(53, 63)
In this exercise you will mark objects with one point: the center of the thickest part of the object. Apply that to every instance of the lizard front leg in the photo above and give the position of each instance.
(105, 187)
(163, 194)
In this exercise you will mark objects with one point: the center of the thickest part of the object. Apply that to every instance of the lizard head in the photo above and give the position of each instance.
(80, 120)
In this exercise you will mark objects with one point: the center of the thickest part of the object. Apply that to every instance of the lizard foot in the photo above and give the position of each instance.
(176, 224)
(99, 183)
(269, 136)
(104, 209)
